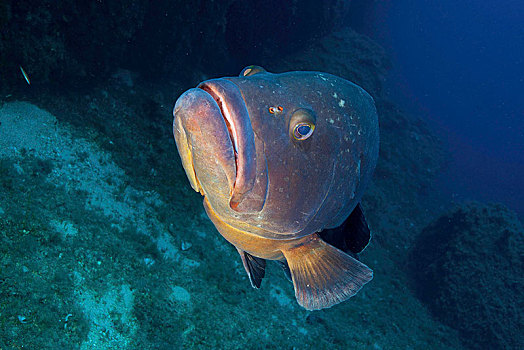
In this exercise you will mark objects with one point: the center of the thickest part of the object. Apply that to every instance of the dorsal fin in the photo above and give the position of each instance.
(255, 267)
(352, 236)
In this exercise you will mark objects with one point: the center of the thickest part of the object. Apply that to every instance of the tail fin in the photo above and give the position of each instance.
(323, 275)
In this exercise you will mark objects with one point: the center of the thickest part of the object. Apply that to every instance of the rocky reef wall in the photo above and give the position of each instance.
(468, 268)
(77, 41)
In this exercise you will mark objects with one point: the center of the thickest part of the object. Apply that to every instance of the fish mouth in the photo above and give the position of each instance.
(236, 117)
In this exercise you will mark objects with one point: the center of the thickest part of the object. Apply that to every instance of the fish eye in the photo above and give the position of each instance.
(303, 130)
(251, 70)
(302, 124)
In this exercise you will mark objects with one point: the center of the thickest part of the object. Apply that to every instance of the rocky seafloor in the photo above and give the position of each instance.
(104, 245)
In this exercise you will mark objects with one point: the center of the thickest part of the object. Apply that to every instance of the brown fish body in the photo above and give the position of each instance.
(279, 158)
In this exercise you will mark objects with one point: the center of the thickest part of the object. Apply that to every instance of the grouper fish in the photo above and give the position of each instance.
(282, 161)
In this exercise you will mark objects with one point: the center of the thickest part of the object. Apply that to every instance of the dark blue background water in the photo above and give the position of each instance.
(460, 64)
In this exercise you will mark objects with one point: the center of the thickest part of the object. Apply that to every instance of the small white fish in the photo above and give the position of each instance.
(26, 77)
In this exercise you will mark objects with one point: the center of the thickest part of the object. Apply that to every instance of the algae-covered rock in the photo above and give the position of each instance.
(468, 267)
(345, 53)
(76, 42)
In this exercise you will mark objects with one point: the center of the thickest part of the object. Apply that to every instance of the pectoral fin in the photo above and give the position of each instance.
(324, 275)
(352, 236)
(255, 268)
(285, 268)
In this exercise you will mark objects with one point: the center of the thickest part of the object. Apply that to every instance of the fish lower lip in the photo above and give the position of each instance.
(233, 108)
(203, 142)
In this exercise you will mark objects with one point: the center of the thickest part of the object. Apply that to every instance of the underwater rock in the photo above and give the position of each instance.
(74, 42)
(263, 31)
(124, 77)
(344, 53)
(468, 268)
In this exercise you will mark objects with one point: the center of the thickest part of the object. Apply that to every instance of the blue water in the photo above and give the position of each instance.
(460, 65)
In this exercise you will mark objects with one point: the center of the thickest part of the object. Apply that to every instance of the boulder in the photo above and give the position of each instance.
(468, 267)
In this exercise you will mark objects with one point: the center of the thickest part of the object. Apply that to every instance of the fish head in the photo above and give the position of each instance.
(279, 155)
